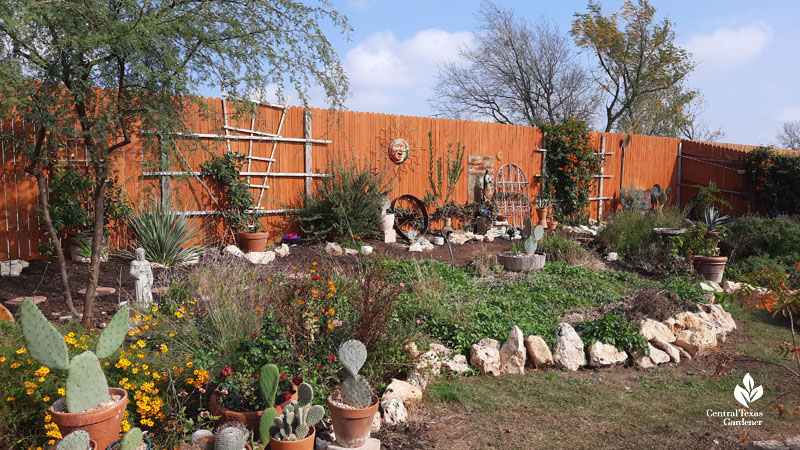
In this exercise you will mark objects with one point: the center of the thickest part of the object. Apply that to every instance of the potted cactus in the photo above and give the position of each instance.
(89, 404)
(77, 440)
(133, 440)
(542, 203)
(294, 429)
(354, 406)
(526, 258)
(659, 196)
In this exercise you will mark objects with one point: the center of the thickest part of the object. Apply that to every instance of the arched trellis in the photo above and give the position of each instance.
(511, 194)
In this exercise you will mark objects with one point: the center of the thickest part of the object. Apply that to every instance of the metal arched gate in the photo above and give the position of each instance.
(511, 194)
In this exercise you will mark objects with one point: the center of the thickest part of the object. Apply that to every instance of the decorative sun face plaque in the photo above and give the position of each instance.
(399, 151)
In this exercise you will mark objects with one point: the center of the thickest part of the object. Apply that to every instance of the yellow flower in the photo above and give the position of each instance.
(164, 348)
(42, 371)
(2, 359)
(178, 314)
(314, 263)
(189, 364)
(62, 392)
(21, 351)
(172, 335)
(140, 343)
(45, 399)
(155, 309)
(41, 379)
(9, 399)
(330, 325)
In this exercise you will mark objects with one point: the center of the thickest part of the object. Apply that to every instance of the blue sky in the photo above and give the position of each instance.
(747, 54)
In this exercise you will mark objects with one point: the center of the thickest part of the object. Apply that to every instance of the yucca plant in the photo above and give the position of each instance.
(164, 235)
(714, 219)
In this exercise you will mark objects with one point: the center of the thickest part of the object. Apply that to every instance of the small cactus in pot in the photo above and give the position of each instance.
(352, 423)
(298, 418)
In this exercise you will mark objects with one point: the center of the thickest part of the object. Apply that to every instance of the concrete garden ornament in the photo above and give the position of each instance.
(143, 274)
(399, 151)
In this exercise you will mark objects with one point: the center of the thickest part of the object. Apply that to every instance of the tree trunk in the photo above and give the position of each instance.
(97, 244)
(62, 264)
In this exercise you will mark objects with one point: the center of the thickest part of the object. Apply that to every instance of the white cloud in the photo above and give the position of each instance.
(790, 114)
(390, 75)
(727, 47)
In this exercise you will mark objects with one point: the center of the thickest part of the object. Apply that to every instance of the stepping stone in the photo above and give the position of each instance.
(18, 301)
(100, 291)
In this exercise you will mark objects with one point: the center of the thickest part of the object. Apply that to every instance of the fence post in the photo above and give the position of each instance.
(680, 163)
(602, 172)
(307, 150)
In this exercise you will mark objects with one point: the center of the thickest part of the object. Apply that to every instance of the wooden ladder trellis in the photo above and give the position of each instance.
(231, 133)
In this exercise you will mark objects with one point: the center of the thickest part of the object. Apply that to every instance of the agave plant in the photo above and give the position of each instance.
(713, 218)
(164, 234)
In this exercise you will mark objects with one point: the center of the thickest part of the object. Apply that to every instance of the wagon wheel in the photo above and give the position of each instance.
(410, 214)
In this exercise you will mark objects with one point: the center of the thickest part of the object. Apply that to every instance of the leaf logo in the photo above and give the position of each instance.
(747, 394)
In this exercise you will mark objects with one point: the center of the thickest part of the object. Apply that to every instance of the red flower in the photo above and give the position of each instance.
(283, 376)
(287, 395)
(226, 372)
(331, 357)
(255, 335)
(222, 352)
(316, 277)
(319, 366)
(298, 380)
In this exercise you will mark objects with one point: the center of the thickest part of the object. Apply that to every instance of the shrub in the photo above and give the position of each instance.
(613, 329)
(559, 247)
(164, 235)
(630, 234)
(756, 236)
(571, 162)
(347, 205)
(773, 181)
(237, 200)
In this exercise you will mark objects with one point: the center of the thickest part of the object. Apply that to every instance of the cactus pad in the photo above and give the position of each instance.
(538, 232)
(43, 341)
(356, 392)
(77, 440)
(530, 246)
(305, 394)
(268, 383)
(114, 334)
(132, 439)
(314, 415)
(352, 355)
(266, 423)
(86, 383)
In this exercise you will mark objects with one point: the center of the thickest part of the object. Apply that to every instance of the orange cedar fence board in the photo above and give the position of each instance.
(362, 138)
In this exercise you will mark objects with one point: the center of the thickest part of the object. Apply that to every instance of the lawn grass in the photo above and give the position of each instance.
(664, 407)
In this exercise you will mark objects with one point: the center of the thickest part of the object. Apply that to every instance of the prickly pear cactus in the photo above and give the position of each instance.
(356, 392)
(268, 383)
(86, 383)
(77, 440)
(305, 394)
(114, 334)
(132, 439)
(314, 415)
(43, 341)
(532, 243)
(352, 354)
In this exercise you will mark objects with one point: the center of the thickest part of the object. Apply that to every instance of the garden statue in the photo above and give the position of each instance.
(487, 186)
(143, 274)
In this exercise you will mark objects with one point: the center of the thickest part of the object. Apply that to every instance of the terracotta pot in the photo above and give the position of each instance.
(302, 444)
(250, 419)
(103, 425)
(352, 426)
(387, 222)
(710, 267)
(252, 242)
(521, 263)
(501, 217)
(552, 224)
(541, 213)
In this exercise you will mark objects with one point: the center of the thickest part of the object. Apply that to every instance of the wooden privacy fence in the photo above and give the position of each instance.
(290, 149)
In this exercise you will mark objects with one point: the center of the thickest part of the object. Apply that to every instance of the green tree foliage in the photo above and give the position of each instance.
(773, 181)
(639, 68)
(101, 71)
